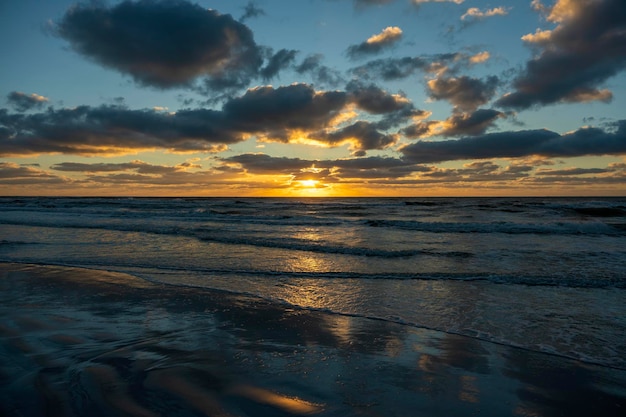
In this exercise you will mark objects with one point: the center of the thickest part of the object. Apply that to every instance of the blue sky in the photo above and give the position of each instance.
(313, 97)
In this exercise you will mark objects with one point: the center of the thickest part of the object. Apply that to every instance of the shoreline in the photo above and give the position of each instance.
(131, 347)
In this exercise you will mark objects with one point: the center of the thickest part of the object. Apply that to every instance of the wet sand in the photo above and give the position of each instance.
(79, 342)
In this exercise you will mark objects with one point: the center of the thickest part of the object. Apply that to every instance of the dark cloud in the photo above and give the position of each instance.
(372, 162)
(266, 164)
(371, 168)
(363, 135)
(24, 102)
(320, 73)
(421, 129)
(401, 117)
(251, 10)
(376, 43)
(14, 174)
(465, 93)
(163, 43)
(113, 129)
(458, 124)
(365, 3)
(276, 112)
(400, 68)
(280, 60)
(375, 100)
(271, 110)
(586, 48)
(474, 123)
(98, 167)
(573, 171)
(473, 172)
(273, 114)
(137, 173)
(328, 170)
(582, 142)
(396, 108)
(310, 63)
(138, 166)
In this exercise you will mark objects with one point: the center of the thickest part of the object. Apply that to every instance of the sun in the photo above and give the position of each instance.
(310, 188)
(309, 183)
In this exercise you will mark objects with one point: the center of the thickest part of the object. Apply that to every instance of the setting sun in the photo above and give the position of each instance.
(309, 183)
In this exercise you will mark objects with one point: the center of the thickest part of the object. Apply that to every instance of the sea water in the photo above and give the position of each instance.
(543, 274)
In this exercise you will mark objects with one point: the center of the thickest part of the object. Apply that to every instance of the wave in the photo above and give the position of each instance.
(557, 228)
(185, 222)
(324, 247)
(207, 273)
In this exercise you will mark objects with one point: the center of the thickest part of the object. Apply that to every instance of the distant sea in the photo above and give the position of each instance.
(543, 274)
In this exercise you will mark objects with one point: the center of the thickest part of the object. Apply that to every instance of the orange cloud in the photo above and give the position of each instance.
(389, 34)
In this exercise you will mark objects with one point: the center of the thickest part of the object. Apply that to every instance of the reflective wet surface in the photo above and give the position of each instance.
(77, 342)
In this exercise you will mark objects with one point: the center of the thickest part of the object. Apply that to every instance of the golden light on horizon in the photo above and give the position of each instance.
(309, 183)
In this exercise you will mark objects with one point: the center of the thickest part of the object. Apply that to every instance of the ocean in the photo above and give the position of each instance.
(545, 276)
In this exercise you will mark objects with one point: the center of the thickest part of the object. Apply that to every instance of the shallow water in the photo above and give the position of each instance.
(84, 342)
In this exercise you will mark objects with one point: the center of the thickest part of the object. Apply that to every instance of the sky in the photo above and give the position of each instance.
(313, 98)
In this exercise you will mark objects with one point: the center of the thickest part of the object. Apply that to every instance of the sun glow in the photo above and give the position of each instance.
(309, 183)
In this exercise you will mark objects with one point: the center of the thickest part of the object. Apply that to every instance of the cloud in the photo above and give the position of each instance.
(24, 102)
(137, 174)
(137, 166)
(251, 10)
(275, 111)
(320, 73)
(376, 43)
(465, 93)
(106, 130)
(572, 171)
(375, 100)
(364, 3)
(294, 113)
(474, 13)
(325, 170)
(587, 46)
(370, 168)
(474, 123)
(163, 43)
(582, 142)
(298, 113)
(400, 68)
(14, 174)
(390, 69)
(396, 108)
(458, 124)
(480, 57)
(235, 171)
(280, 60)
(362, 136)
(266, 164)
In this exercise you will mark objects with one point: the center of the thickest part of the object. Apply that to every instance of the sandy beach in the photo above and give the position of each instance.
(77, 342)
